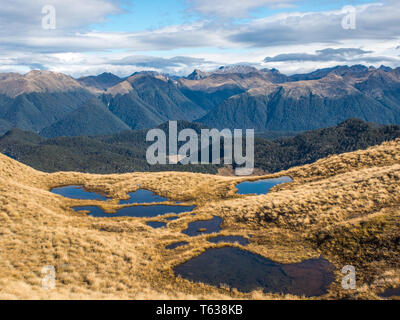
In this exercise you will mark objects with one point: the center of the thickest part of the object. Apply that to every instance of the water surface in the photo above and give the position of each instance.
(143, 196)
(138, 211)
(176, 245)
(393, 292)
(156, 224)
(260, 186)
(172, 218)
(247, 271)
(196, 228)
(77, 192)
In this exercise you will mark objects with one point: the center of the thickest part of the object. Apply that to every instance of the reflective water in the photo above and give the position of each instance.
(261, 186)
(77, 192)
(393, 292)
(138, 211)
(156, 224)
(204, 227)
(172, 218)
(247, 271)
(176, 245)
(143, 196)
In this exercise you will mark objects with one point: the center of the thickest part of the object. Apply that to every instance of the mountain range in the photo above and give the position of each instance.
(54, 104)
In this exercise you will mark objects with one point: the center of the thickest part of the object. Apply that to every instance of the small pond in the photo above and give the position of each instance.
(230, 239)
(176, 245)
(156, 224)
(143, 196)
(77, 192)
(204, 227)
(138, 211)
(392, 292)
(260, 186)
(247, 271)
(172, 218)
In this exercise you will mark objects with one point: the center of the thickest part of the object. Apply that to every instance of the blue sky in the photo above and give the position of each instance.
(177, 36)
(139, 15)
(143, 15)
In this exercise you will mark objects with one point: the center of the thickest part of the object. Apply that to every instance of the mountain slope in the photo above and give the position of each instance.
(93, 118)
(4, 126)
(101, 82)
(308, 105)
(36, 111)
(133, 111)
(230, 97)
(355, 71)
(210, 89)
(39, 98)
(14, 84)
(308, 147)
(145, 101)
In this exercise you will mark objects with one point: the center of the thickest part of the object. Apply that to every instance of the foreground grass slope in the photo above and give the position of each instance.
(345, 207)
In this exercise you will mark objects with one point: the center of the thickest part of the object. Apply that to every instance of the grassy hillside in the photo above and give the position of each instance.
(344, 207)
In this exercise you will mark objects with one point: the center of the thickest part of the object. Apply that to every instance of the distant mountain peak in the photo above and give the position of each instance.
(146, 72)
(101, 82)
(385, 68)
(149, 74)
(243, 69)
(197, 75)
(14, 84)
(230, 69)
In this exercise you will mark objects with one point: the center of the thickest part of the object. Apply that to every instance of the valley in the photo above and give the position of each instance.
(78, 195)
(200, 158)
(126, 151)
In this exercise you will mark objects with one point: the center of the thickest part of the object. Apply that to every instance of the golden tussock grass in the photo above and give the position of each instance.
(345, 207)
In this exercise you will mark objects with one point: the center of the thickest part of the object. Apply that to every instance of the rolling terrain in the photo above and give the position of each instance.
(126, 151)
(344, 207)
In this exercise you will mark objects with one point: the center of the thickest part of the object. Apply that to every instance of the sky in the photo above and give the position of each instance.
(90, 37)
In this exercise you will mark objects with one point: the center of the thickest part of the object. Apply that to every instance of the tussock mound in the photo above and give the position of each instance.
(344, 207)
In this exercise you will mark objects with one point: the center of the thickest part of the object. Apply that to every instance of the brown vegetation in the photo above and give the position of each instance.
(345, 207)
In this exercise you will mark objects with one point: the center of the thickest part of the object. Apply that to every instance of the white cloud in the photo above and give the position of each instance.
(75, 49)
(22, 17)
(373, 21)
(232, 9)
(327, 54)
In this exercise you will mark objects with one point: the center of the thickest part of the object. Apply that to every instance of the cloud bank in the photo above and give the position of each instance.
(213, 38)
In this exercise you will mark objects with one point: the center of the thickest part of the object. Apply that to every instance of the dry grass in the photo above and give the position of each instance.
(345, 207)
